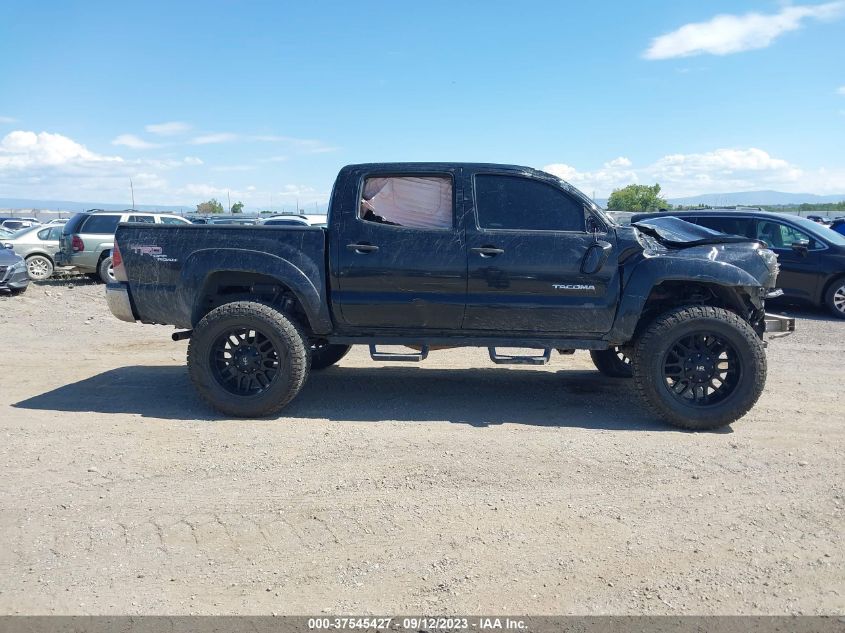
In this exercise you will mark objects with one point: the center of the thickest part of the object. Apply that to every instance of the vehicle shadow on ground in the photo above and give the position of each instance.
(477, 397)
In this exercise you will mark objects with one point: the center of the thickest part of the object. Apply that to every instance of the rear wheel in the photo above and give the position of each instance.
(699, 367)
(325, 354)
(106, 270)
(612, 362)
(835, 298)
(247, 359)
(39, 267)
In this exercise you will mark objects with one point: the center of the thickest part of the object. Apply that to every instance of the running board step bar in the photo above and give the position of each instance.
(392, 356)
(520, 360)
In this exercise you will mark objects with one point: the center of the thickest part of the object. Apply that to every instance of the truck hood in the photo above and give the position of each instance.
(677, 233)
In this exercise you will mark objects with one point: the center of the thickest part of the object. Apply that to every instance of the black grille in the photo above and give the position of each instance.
(3, 271)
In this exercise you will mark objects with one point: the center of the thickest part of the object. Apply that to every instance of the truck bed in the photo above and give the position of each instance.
(171, 268)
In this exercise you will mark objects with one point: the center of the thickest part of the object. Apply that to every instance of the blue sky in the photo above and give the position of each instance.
(268, 99)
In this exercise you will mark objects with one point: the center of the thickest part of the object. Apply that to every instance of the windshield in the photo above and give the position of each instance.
(819, 230)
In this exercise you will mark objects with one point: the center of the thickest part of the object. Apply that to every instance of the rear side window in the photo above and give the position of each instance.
(141, 219)
(420, 202)
(101, 224)
(44, 234)
(55, 233)
(515, 203)
(743, 227)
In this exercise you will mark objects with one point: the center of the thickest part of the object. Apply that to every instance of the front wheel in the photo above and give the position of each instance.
(247, 359)
(835, 298)
(699, 367)
(612, 362)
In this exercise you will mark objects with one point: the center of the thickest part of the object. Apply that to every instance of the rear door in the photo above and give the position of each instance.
(527, 244)
(401, 256)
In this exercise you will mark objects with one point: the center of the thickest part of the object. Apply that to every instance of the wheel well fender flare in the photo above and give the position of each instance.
(649, 273)
(202, 265)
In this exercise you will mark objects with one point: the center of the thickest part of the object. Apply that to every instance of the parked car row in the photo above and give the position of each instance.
(274, 220)
(811, 256)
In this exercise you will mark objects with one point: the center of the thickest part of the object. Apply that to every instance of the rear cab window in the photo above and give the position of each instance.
(101, 224)
(744, 227)
(516, 203)
(419, 202)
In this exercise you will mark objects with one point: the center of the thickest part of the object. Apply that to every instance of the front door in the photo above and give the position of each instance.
(528, 264)
(800, 272)
(402, 262)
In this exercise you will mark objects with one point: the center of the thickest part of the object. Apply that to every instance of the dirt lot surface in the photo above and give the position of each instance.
(454, 486)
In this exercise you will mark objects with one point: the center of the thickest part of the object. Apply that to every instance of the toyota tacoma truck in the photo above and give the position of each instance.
(430, 255)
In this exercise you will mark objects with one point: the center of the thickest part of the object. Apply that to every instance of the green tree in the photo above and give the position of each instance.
(212, 206)
(265, 212)
(238, 207)
(637, 198)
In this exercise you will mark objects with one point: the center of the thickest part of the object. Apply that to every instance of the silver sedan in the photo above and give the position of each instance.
(38, 246)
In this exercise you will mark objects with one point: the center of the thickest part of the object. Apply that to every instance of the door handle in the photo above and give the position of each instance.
(487, 251)
(362, 249)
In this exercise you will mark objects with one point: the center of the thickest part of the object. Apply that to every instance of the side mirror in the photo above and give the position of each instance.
(801, 246)
(595, 257)
(9, 246)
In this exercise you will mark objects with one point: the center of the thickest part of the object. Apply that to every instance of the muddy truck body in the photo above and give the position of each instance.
(426, 255)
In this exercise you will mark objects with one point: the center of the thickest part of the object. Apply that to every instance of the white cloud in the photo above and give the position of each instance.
(23, 149)
(171, 128)
(717, 171)
(7, 119)
(193, 160)
(725, 34)
(133, 142)
(220, 137)
(840, 90)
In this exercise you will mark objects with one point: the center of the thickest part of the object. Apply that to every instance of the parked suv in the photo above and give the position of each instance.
(811, 256)
(88, 238)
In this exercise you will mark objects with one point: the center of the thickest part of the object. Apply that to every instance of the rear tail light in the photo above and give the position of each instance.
(117, 264)
(76, 244)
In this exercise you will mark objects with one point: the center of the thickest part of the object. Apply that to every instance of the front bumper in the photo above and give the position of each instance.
(14, 278)
(776, 323)
(117, 298)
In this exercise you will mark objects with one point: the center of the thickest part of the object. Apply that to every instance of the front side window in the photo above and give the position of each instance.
(778, 235)
(101, 224)
(420, 202)
(516, 203)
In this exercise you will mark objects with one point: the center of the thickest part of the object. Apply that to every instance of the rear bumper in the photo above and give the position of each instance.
(117, 298)
(776, 323)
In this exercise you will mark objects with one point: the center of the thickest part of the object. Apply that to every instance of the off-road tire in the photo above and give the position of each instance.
(607, 361)
(652, 347)
(327, 354)
(290, 345)
(103, 270)
(834, 298)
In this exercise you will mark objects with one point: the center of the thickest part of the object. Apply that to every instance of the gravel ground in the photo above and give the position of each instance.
(454, 486)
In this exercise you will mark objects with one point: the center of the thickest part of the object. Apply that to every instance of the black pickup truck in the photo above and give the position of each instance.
(457, 254)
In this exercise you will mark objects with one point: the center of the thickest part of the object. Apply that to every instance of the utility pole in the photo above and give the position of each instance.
(132, 190)
(229, 200)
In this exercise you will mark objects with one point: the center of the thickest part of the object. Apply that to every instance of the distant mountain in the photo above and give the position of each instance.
(751, 198)
(75, 207)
